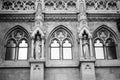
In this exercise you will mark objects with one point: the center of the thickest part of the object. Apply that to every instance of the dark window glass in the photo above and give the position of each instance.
(10, 50)
(111, 49)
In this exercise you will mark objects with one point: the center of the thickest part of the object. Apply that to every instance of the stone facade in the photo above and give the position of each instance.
(79, 23)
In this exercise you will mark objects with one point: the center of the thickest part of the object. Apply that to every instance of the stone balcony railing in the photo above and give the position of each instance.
(17, 6)
(59, 6)
(103, 6)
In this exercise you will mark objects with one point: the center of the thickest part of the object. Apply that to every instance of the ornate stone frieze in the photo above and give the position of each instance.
(18, 5)
(57, 17)
(61, 17)
(60, 5)
(17, 17)
(102, 4)
(103, 17)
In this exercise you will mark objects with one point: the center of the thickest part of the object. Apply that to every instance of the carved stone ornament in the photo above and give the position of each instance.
(102, 4)
(60, 5)
(36, 67)
(18, 5)
(87, 66)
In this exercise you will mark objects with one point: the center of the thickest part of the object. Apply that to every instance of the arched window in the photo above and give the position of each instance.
(99, 50)
(104, 44)
(23, 50)
(61, 45)
(17, 44)
(67, 49)
(10, 50)
(55, 49)
(111, 49)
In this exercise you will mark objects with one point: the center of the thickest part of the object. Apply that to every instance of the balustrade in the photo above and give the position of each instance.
(58, 6)
(103, 6)
(61, 5)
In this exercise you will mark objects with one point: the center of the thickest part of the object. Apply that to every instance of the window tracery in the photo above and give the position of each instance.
(17, 45)
(61, 45)
(104, 45)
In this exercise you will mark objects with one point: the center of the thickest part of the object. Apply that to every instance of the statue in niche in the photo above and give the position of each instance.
(85, 46)
(37, 48)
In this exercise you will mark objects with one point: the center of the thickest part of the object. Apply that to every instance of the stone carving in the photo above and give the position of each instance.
(38, 46)
(88, 66)
(60, 5)
(102, 4)
(36, 67)
(85, 45)
(18, 5)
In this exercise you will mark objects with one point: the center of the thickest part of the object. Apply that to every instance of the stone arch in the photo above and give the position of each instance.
(63, 35)
(19, 35)
(108, 29)
(61, 27)
(85, 29)
(37, 30)
(17, 27)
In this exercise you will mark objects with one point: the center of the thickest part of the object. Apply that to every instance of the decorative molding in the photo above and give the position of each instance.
(18, 5)
(57, 17)
(102, 4)
(61, 17)
(103, 17)
(17, 17)
(60, 5)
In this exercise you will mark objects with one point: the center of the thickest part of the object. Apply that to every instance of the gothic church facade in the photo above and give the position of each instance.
(59, 39)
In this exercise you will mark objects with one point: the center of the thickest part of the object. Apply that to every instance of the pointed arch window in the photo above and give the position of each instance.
(67, 49)
(104, 44)
(99, 50)
(61, 45)
(23, 50)
(10, 50)
(111, 49)
(17, 45)
(55, 49)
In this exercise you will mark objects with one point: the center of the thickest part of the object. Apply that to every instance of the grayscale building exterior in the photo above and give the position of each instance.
(59, 39)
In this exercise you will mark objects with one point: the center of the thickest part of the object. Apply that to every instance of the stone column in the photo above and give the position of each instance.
(91, 48)
(32, 49)
(42, 54)
(81, 50)
(118, 43)
(37, 70)
(87, 70)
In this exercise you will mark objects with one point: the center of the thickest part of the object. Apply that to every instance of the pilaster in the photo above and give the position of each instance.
(87, 70)
(37, 70)
(87, 60)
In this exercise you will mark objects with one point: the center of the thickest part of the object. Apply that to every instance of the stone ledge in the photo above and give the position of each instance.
(37, 61)
(103, 16)
(17, 17)
(107, 63)
(14, 64)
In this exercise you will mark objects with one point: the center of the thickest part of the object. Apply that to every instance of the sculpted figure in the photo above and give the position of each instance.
(85, 46)
(37, 48)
